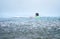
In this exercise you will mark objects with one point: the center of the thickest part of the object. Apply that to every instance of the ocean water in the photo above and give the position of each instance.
(30, 28)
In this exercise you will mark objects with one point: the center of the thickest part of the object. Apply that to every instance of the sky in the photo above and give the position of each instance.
(27, 8)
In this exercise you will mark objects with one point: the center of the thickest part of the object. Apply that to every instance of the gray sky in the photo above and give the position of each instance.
(27, 8)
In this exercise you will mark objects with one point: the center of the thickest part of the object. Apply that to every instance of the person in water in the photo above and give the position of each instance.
(37, 15)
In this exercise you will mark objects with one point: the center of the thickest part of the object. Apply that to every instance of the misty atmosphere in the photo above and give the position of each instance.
(29, 19)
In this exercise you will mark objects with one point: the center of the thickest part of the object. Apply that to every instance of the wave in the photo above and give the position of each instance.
(30, 28)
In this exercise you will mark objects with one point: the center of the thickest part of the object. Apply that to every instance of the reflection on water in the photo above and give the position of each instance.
(30, 28)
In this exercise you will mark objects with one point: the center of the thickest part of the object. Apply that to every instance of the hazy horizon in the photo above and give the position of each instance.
(28, 8)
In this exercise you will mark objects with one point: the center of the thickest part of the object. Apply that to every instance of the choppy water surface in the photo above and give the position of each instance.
(30, 28)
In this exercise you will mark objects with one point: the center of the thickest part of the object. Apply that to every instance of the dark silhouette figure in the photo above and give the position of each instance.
(37, 14)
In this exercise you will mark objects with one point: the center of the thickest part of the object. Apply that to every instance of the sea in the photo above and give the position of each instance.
(30, 28)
